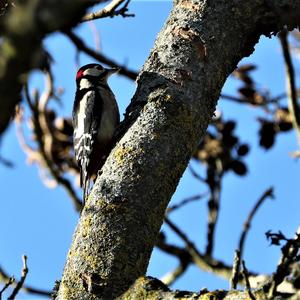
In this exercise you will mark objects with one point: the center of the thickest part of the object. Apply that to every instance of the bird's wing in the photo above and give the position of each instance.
(86, 122)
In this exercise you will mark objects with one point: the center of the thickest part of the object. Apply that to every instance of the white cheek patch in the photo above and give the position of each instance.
(84, 84)
(92, 72)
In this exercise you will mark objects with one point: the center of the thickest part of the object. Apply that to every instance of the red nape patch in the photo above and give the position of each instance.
(79, 74)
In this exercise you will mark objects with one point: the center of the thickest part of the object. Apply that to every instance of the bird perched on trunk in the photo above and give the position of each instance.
(95, 118)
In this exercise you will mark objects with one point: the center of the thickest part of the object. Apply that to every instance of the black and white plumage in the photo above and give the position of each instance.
(95, 118)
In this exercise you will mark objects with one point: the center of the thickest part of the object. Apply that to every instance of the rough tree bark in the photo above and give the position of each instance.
(199, 46)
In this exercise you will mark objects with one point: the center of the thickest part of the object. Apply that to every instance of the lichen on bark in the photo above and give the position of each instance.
(178, 88)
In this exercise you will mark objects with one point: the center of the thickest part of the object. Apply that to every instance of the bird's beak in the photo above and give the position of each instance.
(112, 71)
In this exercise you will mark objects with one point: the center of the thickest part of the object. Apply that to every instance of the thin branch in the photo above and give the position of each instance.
(289, 256)
(110, 10)
(189, 244)
(234, 99)
(246, 276)
(45, 137)
(9, 282)
(247, 224)
(245, 101)
(235, 270)
(181, 254)
(22, 280)
(185, 201)
(195, 174)
(78, 42)
(172, 276)
(48, 141)
(291, 84)
(32, 154)
(239, 252)
(203, 262)
(214, 178)
(43, 121)
(29, 289)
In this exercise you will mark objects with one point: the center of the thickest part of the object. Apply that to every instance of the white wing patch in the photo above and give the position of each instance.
(79, 131)
(83, 144)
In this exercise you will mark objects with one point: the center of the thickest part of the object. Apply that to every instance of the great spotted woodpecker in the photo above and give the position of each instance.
(95, 118)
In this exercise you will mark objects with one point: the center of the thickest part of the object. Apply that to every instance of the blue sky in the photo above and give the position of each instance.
(39, 222)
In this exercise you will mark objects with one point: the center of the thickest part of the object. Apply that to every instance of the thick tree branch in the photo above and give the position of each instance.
(195, 52)
(23, 29)
(151, 288)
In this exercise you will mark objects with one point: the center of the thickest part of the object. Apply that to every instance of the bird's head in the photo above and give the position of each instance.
(94, 73)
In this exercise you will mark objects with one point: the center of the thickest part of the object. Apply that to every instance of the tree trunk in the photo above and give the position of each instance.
(199, 46)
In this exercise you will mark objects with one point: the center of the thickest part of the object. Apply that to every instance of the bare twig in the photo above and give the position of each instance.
(195, 174)
(32, 154)
(188, 243)
(46, 143)
(9, 282)
(78, 42)
(183, 256)
(172, 276)
(22, 280)
(235, 270)
(291, 84)
(245, 101)
(185, 201)
(45, 137)
(246, 277)
(203, 262)
(290, 255)
(214, 178)
(42, 115)
(29, 289)
(247, 224)
(239, 252)
(234, 99)
(110, 10)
